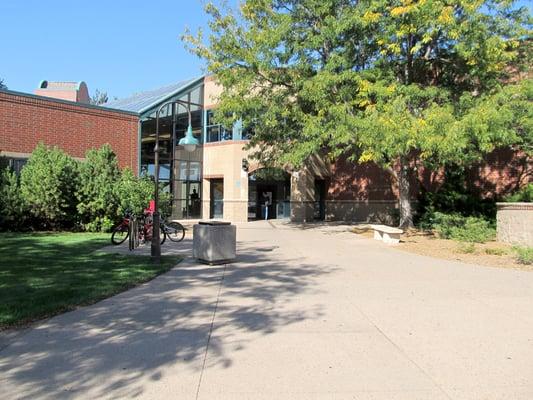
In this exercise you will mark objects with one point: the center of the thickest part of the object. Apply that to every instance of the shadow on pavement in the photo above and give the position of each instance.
(111, 348)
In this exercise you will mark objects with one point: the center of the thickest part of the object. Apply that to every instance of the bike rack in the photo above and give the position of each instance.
(133, 227)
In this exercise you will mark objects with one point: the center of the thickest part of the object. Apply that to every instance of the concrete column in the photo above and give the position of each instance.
(302, 196)
(236, 193)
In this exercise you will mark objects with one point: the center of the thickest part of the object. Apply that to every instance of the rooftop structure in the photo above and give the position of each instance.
(71, 91)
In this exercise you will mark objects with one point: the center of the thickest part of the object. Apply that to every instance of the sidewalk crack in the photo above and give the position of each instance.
(210, 332)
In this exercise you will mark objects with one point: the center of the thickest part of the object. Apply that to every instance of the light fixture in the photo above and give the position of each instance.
(189, 142)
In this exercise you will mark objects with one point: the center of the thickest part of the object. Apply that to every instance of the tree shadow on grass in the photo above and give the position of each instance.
(43, 274)
(115, 347)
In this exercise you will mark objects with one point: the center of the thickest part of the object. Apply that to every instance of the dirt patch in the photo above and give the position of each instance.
(492, 254)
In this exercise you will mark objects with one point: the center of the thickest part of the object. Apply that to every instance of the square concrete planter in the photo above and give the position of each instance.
(214, 242)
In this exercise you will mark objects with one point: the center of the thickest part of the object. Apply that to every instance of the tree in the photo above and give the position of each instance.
(402, 84)
(98, 202)
(48, 183)
(3, 86)
(134, 193)
(99, 98)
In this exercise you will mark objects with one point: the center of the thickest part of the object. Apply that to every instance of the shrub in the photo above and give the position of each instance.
(454, 196)
(524, 255)
(464, 229)
(443, 224)
(13, 212)
(100, 224)
(98, 204)
(474, 230)
(48, 184)
(133, 193)
(525, 195)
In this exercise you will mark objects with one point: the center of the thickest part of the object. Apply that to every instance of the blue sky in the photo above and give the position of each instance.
(116, 46)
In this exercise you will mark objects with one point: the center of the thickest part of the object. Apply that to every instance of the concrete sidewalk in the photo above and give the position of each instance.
(307, 312)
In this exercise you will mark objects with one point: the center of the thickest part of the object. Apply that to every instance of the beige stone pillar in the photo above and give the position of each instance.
(302, 196)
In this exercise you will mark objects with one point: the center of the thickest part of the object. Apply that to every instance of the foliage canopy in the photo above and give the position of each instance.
(398, 83)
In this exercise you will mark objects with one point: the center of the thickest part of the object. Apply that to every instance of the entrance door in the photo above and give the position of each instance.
(320, 199)
(217, 199)
(266, 201)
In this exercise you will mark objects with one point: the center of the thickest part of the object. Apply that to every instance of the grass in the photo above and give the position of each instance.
(495, 251)
(467, 248)
(49, 273)
(524, 255)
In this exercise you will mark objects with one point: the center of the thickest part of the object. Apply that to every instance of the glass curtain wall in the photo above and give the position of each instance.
(180, 171)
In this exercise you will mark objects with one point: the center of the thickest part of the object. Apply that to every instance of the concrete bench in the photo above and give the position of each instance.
(387, 234)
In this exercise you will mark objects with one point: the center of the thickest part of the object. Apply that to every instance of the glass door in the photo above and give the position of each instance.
(217, 198)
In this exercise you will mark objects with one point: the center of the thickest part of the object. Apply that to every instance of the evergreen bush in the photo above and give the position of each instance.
(98, 203)
(13, 212)
(48, 186)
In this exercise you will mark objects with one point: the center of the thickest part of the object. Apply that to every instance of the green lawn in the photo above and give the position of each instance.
(47, 273)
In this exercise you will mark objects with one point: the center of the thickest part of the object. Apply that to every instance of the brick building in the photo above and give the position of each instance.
(217, 179)
(26, 120)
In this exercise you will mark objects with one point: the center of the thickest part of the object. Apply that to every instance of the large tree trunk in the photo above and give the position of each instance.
(401, 177)
(404, 186)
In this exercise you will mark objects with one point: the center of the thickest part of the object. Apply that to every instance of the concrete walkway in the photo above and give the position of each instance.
(314, 313)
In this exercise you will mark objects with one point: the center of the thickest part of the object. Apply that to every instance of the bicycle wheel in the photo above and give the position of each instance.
(119, 235)
(162, 235)
(175, 231)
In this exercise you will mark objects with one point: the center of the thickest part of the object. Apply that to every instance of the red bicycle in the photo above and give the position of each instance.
(144, 229)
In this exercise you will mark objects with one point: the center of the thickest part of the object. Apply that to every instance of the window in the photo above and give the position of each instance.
(216, 132)
(15, 164)
(180, 172)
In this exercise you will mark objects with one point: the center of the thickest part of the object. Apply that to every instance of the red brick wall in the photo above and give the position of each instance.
(26, 120)
(502, 172)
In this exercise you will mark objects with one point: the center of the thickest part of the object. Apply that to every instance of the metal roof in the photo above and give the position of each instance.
(143, 101)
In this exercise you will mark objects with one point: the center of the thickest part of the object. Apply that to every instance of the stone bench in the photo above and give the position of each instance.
(387, 234)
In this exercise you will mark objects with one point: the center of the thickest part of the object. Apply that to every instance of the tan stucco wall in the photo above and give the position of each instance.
(211, 92)
(515, 223)
(223, 160)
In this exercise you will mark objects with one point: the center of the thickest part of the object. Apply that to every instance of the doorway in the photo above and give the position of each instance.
(269, 194)
(266, 201)
(216, 206)
(320, 199)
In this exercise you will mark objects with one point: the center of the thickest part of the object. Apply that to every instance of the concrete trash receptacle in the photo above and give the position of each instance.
(214, 242)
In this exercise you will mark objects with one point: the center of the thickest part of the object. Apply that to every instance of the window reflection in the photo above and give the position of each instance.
(180, 172)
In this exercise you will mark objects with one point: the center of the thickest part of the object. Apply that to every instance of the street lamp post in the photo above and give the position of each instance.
(189, 142)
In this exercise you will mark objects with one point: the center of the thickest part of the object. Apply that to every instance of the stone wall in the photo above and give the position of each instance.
(515, 223)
